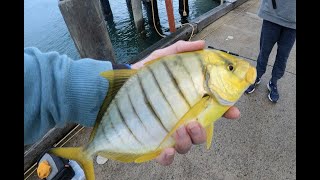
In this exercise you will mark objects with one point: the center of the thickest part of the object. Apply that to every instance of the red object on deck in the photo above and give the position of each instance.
(170, 14)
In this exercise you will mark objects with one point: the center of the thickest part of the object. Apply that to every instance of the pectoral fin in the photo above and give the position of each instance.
(127, 157)
(191, 114)
(207, 118)
(151, 62)
(148, 157)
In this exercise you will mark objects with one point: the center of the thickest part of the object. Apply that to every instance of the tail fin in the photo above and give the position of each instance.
(78, 155)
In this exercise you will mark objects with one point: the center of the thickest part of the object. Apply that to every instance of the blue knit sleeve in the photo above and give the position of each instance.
(58, 90)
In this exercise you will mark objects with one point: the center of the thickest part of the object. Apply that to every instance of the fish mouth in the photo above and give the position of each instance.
(251, 75)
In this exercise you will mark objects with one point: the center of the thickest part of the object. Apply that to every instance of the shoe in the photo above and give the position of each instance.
(252, 87)
(273, 95)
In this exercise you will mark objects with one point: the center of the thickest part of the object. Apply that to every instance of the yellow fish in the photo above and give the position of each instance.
(144, 107)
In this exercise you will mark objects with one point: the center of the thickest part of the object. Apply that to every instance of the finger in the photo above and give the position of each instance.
(232, 113)
(166, 157)
(196, 132)
(178, 47)
(183, 46)
(137, 65)
(183, 141)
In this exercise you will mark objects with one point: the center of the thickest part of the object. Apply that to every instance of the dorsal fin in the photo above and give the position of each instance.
(116, 79)
(152, 61)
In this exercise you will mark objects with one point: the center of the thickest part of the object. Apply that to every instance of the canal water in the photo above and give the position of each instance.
(45, 28)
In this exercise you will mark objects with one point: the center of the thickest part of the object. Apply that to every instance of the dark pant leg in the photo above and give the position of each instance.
(270, 34)
(285, 44)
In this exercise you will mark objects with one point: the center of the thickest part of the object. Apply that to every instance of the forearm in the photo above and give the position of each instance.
(58, 90)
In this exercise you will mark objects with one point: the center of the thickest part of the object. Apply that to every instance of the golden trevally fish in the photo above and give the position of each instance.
(144, 107)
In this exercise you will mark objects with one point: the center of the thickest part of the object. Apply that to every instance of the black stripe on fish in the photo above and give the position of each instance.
(227, 62)
(198, 55)
(175, 82)
(105, 135)
(115, 130)
(186, 69)
(136, 113)
(149, 105)
(152, 73)
(124, 122)
(204, 71)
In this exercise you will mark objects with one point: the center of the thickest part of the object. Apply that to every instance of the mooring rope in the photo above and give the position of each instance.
(154, 24)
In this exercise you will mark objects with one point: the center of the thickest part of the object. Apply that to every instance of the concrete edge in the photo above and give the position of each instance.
(212, 15)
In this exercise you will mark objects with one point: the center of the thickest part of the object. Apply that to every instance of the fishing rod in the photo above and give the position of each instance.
(232, 53)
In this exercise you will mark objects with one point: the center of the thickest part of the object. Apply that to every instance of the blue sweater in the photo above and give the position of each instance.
(284, 12)
(59, 90)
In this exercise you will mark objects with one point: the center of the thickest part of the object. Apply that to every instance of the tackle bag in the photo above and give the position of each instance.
(51, 167)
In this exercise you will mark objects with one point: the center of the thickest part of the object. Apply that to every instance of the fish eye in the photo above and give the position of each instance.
(230, 67)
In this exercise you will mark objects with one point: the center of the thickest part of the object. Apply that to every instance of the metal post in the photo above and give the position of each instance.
(148, 6)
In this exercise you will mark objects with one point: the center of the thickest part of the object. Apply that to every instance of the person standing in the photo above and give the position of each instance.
(278, 26)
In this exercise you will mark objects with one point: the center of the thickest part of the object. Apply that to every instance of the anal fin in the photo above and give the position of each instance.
(207, 118)
(148, 156)
(128, 157)
(121, 157)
